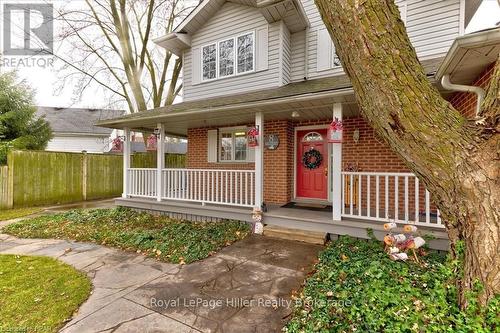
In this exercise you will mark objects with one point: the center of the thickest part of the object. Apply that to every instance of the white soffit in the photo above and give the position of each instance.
(469, 55)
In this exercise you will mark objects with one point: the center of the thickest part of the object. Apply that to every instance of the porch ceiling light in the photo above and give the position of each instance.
(295, 114)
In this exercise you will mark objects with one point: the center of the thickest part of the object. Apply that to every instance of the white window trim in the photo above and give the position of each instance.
(231, 130)
(235, 59)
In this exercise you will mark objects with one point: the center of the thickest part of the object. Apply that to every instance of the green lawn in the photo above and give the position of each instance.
(357, 288)
(38, 294)
(156, 236)
(9, 214)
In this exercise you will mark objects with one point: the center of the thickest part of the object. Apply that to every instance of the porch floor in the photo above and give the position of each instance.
(295, 218)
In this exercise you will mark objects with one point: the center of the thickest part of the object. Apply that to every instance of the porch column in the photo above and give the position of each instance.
(259, 161)
(126, 161)
(160, 160)
(337, 170)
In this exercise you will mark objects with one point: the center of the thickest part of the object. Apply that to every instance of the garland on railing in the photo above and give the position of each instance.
(312, 159)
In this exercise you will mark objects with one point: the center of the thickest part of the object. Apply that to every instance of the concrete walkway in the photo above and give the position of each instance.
(48, 210)
(243, 288)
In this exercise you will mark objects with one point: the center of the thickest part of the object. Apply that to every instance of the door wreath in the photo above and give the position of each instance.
(312, 159)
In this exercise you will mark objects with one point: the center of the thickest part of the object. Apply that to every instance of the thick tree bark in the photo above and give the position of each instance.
(457, 160)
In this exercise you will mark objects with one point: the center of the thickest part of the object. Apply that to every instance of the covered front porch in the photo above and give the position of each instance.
(360, 184)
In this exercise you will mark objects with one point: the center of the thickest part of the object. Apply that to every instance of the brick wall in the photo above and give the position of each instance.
(197, 153)
(369, 154)
(466, 102)
(278, 164)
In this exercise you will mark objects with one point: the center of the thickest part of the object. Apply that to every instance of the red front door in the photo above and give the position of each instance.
(312, 181)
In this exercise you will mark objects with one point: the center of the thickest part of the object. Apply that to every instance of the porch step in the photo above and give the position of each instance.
(311, 237)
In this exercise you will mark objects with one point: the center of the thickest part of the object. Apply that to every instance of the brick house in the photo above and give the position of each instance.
(271, 67)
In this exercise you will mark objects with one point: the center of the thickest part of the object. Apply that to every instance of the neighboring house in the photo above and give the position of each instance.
(179, 147)
(271, 66)
(74, 130)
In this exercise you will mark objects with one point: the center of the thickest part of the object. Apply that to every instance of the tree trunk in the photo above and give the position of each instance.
(457, 160)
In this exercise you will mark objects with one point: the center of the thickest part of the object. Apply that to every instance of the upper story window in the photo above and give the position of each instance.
(209, 62)
(245, 53)
(228, 57)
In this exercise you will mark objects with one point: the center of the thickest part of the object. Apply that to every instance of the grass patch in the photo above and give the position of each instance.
(156, 236)
(10, 214)
(357, 288)
(38, 293)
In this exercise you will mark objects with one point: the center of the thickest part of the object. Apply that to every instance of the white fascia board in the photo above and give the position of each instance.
(476, 39)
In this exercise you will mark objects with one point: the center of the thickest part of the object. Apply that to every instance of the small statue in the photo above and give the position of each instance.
(257, 218)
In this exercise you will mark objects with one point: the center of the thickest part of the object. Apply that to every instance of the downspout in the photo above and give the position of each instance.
(445, 82)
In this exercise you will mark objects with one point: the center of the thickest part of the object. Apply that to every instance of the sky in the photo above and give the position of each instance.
(43, 80)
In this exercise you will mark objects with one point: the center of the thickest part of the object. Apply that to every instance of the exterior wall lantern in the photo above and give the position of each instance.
(355, 135)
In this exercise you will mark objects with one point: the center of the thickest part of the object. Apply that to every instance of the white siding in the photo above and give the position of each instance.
(76, 144)
(298, 57)
(315, 24)
(432, 26)
(233, 19)
(285, 55)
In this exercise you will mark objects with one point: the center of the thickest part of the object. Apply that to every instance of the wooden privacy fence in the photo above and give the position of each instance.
(40, 178)
(5, 194)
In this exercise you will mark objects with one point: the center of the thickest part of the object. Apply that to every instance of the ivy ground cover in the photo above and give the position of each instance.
(357, 288)
(161, 237)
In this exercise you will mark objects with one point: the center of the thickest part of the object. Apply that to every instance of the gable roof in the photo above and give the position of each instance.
(290, 11)
(77, 120)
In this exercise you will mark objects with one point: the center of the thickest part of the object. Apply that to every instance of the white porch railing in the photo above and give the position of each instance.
(382, 196)
(226, 187)
(141, 182)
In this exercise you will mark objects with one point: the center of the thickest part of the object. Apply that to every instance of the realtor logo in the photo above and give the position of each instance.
(28, 29)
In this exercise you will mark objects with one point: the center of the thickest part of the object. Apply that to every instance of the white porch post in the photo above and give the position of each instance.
(259, 161)
(160, 160)
(337, 170)
(126, 161)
